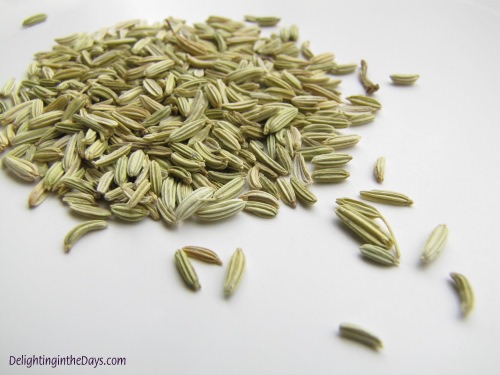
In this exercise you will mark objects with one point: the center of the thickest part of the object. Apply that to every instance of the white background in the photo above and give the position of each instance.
(118, 294)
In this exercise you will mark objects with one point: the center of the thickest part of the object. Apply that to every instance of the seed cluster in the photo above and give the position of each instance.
(173, 121)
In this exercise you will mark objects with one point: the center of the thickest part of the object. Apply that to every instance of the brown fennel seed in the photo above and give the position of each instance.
(203, 254)
(368, 85)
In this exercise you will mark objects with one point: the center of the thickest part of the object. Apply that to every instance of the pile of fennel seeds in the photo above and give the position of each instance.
(171, 121)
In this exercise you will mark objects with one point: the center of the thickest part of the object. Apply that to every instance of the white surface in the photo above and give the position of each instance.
(118, 293)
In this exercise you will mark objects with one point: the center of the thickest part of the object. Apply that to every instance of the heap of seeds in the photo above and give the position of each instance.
(172, 121)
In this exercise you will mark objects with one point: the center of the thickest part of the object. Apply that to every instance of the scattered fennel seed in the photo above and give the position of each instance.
(356, 333)
(404, 79)
(465, 292)
(35, 19)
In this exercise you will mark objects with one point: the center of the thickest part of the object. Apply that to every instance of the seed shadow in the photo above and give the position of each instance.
(257, 216)
(17, 178)
(423, 265)
(306, 206)
(205, 223)
(400, 86)
(168, 226)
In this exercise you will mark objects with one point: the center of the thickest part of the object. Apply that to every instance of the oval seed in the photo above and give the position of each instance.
(331, 160)
(38, 194)
(253, 177)
(9, 87)
(286, 191)
(23, 169)
(166, 213)
(156, 177)
(135, 163)
(186, 131)
(105, 182)
(125, 213)
(266, 159)
(342, 141)
(299, 169)
(379, 255)
(78, 198)
(139, 193)
(89, 211)
(330, 175)
(193, 202)
(261, 209)
(268, 186)
(280, 120)
(435, 244)
(260, 196)
(169, 193)
(302, 192)
(263, 21)
(365, 101)
(387, 197)
(220, 210)
(379, 169)
(361, 207)
(235, 272)
(113, 156)
(186, 270)
(404, 79)
(230, 190)
(344, 68)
